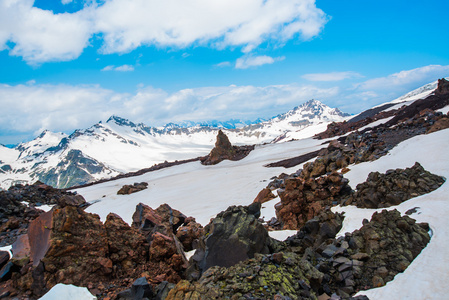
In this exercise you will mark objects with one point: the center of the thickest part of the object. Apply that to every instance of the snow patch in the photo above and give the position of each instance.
(68, 292)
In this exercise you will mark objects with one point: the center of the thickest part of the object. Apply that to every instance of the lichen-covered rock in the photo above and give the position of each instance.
(394, 187)
(262, 277)
(303, 199)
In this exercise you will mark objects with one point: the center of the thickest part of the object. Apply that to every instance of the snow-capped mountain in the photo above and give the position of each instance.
(118, 145)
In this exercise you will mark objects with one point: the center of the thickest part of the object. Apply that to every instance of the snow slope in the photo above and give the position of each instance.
(426, 277)
(203, 191)
(194, 189)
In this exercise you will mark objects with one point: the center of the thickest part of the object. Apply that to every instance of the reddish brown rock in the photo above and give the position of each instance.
(440, 124)
(39, 236)
(127, 246)
(130, 189)
(163, 219)
(189, 233)
(224, 150)
(264, 195)
(303, 199)
(21, 250)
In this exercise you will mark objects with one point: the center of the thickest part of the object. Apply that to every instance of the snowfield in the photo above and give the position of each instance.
(203, 191)
(197, 190)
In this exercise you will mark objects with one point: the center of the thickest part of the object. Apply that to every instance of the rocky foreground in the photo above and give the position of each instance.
(234, 257)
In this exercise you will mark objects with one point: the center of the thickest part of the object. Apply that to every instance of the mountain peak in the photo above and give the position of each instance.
(120, 121)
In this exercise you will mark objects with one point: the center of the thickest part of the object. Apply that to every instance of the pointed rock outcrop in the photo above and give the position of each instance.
(225, 150)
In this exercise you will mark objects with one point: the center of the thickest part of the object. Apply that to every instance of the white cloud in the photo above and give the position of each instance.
(66, 1)
(124, 68)
(108, 68)
(246, 62)
(40, 35)
(54, 107)
(375, 91)
(223, 64)
(332, 76)
(406, 79)
(31, 109)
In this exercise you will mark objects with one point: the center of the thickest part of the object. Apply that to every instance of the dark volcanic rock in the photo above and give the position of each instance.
(291, 162)
(390, 243)
(394, 187)
(224, 150)
(233, 236)
(141, 289)
(316, 231)
(4, 258)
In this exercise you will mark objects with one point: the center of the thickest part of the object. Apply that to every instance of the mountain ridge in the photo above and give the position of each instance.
(120, 146)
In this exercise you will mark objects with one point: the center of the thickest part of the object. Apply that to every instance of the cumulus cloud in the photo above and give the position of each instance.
(123, 25)
(31, 109)
(124, 68)
(246, 62)
(332, 76)
(39, 35)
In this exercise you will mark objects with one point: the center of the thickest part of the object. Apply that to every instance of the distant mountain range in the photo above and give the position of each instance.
(119, 145)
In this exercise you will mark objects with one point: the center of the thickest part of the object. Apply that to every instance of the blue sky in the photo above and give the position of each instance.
(69, 64)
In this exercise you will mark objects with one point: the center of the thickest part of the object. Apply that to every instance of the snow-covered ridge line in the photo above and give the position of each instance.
(118, 146)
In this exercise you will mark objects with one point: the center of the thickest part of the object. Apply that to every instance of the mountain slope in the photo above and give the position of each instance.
(119, 145)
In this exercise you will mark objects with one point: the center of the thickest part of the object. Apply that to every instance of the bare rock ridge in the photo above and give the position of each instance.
(369, 144)
(225, 150)
(437, 100)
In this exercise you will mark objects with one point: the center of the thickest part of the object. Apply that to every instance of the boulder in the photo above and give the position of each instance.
(232, 236)
(141, 289)
(130, 189)
(71, 200)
